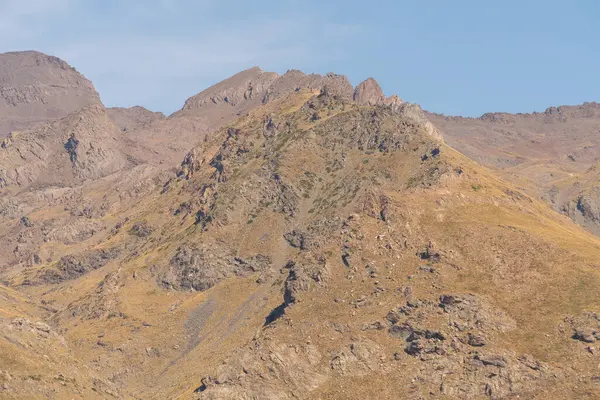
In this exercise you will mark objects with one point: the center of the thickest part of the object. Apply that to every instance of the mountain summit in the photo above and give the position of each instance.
(35, 88)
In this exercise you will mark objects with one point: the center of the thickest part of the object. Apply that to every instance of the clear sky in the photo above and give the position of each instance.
(461, 57)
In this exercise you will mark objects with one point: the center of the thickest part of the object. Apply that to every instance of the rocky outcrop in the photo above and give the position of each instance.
(585, 327)
(393, 101)
(301, 239)
(259, 371)
(588, 205)
(369, 93)
(73, 266)
(101, 303)
(200, 268)
(141, 229)
(415, 114)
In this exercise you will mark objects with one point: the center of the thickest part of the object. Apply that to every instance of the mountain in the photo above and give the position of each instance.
(35, 88)
(548, 154)
(288, 237)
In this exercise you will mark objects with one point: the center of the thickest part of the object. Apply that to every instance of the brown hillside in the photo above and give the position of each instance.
(313, 248)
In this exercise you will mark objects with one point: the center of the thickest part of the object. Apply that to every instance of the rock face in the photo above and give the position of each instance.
(241, 87)
(369, 93)
(294, 80)
(84, 145)
(35, 88)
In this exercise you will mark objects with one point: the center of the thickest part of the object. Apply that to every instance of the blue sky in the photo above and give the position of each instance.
(461, 57)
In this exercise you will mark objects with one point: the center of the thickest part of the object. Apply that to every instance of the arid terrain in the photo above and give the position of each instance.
(292, 237)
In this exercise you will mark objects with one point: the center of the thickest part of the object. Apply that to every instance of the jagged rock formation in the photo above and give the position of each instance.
(35, 88)
(369, 93)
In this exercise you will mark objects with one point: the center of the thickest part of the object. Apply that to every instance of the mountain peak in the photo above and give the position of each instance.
(35, 87)
(240, 87)
(368, 92)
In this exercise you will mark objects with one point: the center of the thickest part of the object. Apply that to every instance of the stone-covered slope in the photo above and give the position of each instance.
(316, 248)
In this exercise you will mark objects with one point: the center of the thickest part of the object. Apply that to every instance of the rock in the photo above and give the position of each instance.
(300, 239)
(587, 335)
(341, 328)
(414, 348)
(428, 268)
(141, 229)
(297, 281)
(414, 113)
(393, 101)
(200, 268)
(476, 340)
(40, 326)
(429, 254)
(360, 302)
(393, 317)
(337, 87)
(404, 332)
(586, 327)
(26, 222)
(530, 362)
(493, 360)
(374, 326)
(369, 93)
(73, 266)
